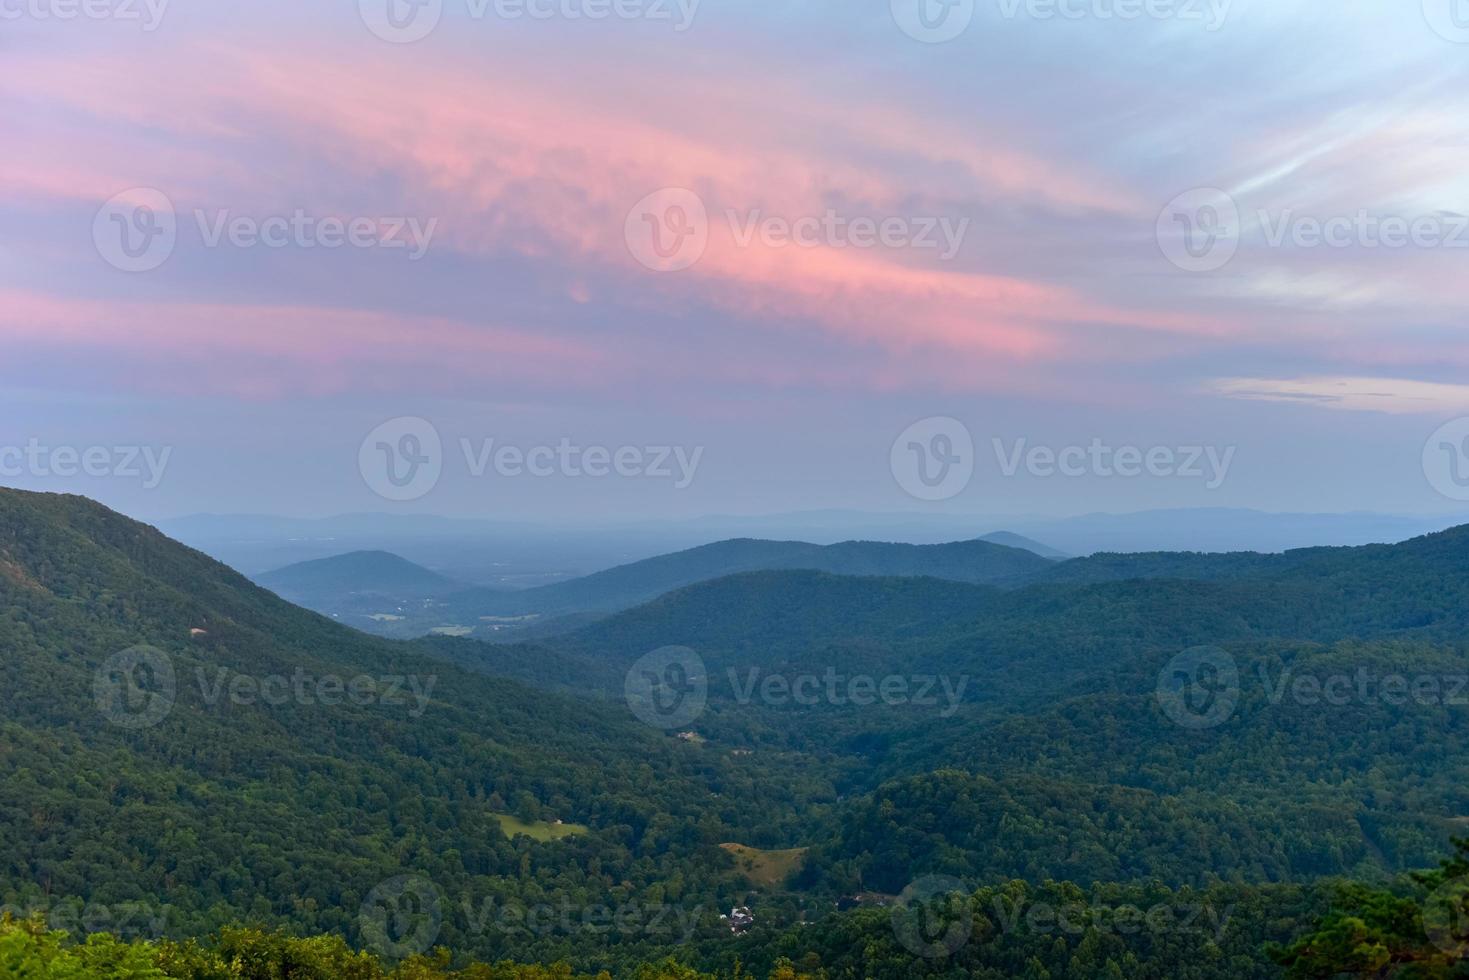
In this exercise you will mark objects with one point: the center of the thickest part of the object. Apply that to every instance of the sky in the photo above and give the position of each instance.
(611, 259)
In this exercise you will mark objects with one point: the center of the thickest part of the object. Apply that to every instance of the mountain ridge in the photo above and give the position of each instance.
(623, 587)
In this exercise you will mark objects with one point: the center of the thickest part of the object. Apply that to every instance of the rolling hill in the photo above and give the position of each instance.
(1012, 540)
(351, 586)
(370, 573)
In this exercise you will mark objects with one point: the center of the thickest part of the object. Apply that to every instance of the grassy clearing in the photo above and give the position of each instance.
(540, 830)
(766, 868)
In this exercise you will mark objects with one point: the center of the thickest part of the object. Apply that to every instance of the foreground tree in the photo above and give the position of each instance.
(1419, 934)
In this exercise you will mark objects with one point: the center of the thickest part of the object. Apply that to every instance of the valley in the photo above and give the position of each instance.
(858, 734)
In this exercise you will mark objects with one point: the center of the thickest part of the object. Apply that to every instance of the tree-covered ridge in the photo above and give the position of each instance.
(1416, 930)
(28, 949)
(375, 573)
(1059, 762)
(294, 812)
(361, 586)
(1055, 930)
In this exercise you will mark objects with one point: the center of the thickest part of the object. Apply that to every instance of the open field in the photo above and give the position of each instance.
(766, 868)
(540, 830)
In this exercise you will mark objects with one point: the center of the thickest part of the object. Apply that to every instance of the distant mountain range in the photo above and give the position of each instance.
(504, 554)
(388, 595)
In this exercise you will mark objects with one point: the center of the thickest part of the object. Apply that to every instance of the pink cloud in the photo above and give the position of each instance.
(251, 349)
(549, 172)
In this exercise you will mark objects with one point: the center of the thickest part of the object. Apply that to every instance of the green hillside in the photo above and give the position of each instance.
(183, 744)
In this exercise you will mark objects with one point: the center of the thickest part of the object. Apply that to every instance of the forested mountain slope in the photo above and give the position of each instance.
(175, 734)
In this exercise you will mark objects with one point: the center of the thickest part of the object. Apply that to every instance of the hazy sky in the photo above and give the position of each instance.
(677, 258)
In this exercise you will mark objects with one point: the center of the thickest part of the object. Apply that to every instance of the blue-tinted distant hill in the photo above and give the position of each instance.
(356, 588)
(1012, 540)
(371, 572)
